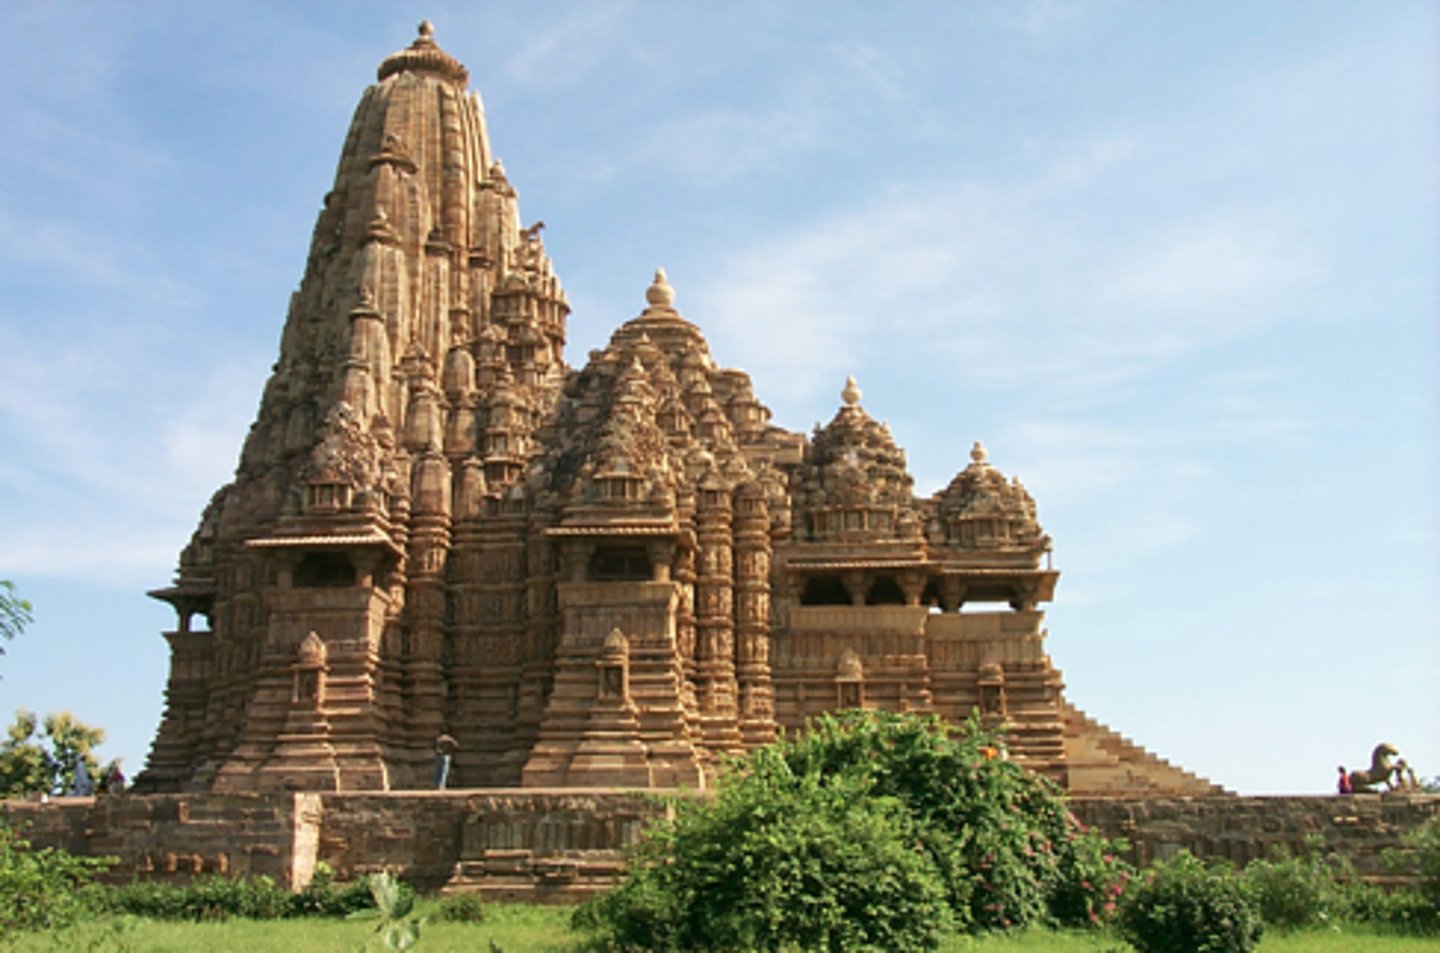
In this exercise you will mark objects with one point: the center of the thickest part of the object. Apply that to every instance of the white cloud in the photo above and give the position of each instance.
(1017, 283)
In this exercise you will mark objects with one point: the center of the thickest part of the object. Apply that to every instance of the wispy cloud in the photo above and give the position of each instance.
(716, 146)
(572, 47)
(1019, 282)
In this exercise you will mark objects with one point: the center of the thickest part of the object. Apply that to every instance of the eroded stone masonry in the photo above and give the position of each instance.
(603, 577)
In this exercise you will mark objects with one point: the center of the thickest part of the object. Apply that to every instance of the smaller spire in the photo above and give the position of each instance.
(851, 394)
(660, 294)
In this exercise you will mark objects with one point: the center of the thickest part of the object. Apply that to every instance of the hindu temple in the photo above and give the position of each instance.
(608, 575)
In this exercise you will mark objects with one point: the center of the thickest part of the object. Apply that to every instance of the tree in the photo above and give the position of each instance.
(15, 613)
(40, 757)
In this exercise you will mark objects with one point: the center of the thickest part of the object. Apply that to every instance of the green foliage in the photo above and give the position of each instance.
(206, 899)
(1425, 842)
(1294, 893)
(1181, 906)
(1092, 880)
(324, 897)
(459, 908)
(255, 898)
(777, 859)
(1005, 843)
(15, 613)
(1414, 910)
(40, 757)
(871, 829)
(394, 901)
(1405, 912)
(44, 889)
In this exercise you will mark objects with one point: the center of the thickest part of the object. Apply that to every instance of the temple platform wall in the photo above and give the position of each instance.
(1360, 828)
(564, 845)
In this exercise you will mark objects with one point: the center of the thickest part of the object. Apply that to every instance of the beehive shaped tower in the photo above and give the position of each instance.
(610, 576)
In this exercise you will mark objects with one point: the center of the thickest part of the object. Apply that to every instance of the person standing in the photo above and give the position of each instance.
(445, 748)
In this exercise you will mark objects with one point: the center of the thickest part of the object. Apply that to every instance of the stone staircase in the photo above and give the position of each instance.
(1102, 762)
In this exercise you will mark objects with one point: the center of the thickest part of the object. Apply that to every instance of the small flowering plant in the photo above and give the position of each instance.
(1093, 878)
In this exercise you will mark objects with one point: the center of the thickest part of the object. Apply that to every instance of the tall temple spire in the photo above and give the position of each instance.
(418, 271)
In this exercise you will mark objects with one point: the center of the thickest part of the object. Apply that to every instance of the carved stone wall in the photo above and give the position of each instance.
(532, 844)
(1359, 828)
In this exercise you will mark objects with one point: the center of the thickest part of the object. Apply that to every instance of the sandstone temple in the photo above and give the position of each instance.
(605, 576)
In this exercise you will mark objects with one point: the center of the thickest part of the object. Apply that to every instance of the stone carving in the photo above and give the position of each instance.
(612, 574)
(1387, 768)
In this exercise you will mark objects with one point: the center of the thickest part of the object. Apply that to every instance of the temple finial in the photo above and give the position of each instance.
(427, 30)
(660, 294)
(977, 453)
(851, 394)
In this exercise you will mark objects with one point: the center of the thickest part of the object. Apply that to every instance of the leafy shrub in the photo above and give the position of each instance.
(205, 899)
(44, 889)
(1391, 911)
(1092, 879)
(1293, 893)
(459, 908)
(1408, 910)
(870, 829)
(253, 898)
(1006, 845)
(324, 897)
(777, 860)
(1183, 907)
(1425, 842)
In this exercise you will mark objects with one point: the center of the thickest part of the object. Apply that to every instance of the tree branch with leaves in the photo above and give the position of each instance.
(15, 613)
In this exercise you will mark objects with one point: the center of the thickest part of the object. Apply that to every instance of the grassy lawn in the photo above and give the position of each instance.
(526, 929)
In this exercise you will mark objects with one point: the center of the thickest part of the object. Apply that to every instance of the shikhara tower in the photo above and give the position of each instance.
(602, 577)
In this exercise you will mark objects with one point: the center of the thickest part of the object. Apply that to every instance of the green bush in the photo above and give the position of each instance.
(1183, 907)
(1413, 910)
(1425, 842)
(1294, 893)
(777, 860)
(1405, 912)
(870, 829)
(459, 908)
(253, 898)
(205, 899)
(1006, 845)
(44, 889)
(1091, 880)
(324, 897)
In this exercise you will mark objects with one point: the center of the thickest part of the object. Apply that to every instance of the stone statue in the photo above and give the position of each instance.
(1382, 771)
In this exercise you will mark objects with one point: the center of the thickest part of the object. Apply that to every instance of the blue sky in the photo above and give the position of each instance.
(1176, 265)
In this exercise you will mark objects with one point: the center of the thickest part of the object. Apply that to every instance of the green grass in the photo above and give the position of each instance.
(532, 929)
(1308, 941)
(515, 928)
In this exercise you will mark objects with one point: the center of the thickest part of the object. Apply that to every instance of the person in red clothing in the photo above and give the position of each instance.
(1343, 785)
